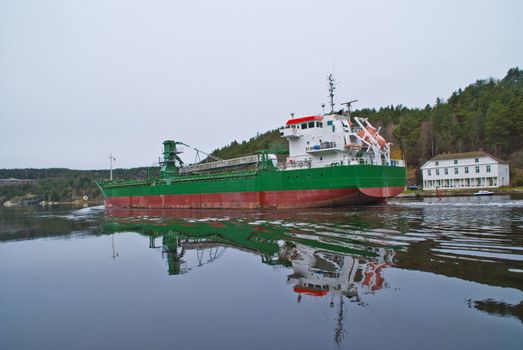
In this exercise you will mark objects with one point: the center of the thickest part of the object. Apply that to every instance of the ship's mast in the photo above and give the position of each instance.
(332, 87)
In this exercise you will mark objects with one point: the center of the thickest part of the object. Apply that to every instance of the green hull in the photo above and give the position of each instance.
(250, 189)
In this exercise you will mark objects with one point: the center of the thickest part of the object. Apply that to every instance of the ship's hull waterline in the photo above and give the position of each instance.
(255, 200)
(305, 188)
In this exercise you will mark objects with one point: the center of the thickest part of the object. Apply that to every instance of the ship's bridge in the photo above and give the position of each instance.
(324, 140)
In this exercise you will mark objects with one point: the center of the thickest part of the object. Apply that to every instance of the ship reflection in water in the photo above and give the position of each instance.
(323, 263)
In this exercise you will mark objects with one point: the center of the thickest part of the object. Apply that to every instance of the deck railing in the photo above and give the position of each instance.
(321, 147)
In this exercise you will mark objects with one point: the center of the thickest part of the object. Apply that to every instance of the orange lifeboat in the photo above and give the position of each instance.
(381, 141)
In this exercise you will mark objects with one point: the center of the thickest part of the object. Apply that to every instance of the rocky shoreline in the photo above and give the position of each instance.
(459, 193)
(31, 199)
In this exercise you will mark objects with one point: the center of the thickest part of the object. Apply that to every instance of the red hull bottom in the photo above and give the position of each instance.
(258, 200)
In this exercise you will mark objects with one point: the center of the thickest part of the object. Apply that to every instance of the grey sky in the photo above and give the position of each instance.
(80, 79)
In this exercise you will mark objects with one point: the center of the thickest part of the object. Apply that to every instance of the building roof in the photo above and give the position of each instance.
(476, 154)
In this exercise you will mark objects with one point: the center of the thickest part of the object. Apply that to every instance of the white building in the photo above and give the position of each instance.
(464, 170)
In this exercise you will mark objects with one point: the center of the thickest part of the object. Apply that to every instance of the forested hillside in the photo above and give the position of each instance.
(485, 115)
(269, 140)
(60, 184)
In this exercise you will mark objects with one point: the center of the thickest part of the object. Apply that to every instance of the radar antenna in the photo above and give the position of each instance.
(349, 105)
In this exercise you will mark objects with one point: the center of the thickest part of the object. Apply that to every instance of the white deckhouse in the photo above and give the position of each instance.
(464, 170)
(335, 139)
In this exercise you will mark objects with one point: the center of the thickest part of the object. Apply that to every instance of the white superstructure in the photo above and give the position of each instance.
(465, 170)
(318, 273)
(335, 139)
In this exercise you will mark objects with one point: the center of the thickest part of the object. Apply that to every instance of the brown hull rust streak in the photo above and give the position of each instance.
(258, 200)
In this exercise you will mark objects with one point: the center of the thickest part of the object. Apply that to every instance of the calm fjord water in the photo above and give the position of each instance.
(407, 275)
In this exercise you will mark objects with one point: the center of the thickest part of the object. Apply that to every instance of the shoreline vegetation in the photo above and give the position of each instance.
(486, 115)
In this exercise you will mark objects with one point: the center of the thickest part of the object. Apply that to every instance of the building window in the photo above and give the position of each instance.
(437, 163)
(304, 126)
(455, 161)
(319, 124)
(429, 173)
(311, 124)
(488, 168)
(446, 171)
(437, 171)
(477, 168)
(456, 171)
(476, 160)
(466, 170)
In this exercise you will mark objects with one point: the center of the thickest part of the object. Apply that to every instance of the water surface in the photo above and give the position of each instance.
(409, 274)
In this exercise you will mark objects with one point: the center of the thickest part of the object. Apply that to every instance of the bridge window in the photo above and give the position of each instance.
(304, 126)
(311, 124)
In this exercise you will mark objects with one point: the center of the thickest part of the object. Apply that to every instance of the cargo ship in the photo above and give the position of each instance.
(335, 159)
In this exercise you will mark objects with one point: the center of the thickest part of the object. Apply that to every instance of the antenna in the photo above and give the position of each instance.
(349, 104)
(111, 159)
(332, 87)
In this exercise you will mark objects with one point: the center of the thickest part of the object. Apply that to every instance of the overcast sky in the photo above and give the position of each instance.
(80, 79)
